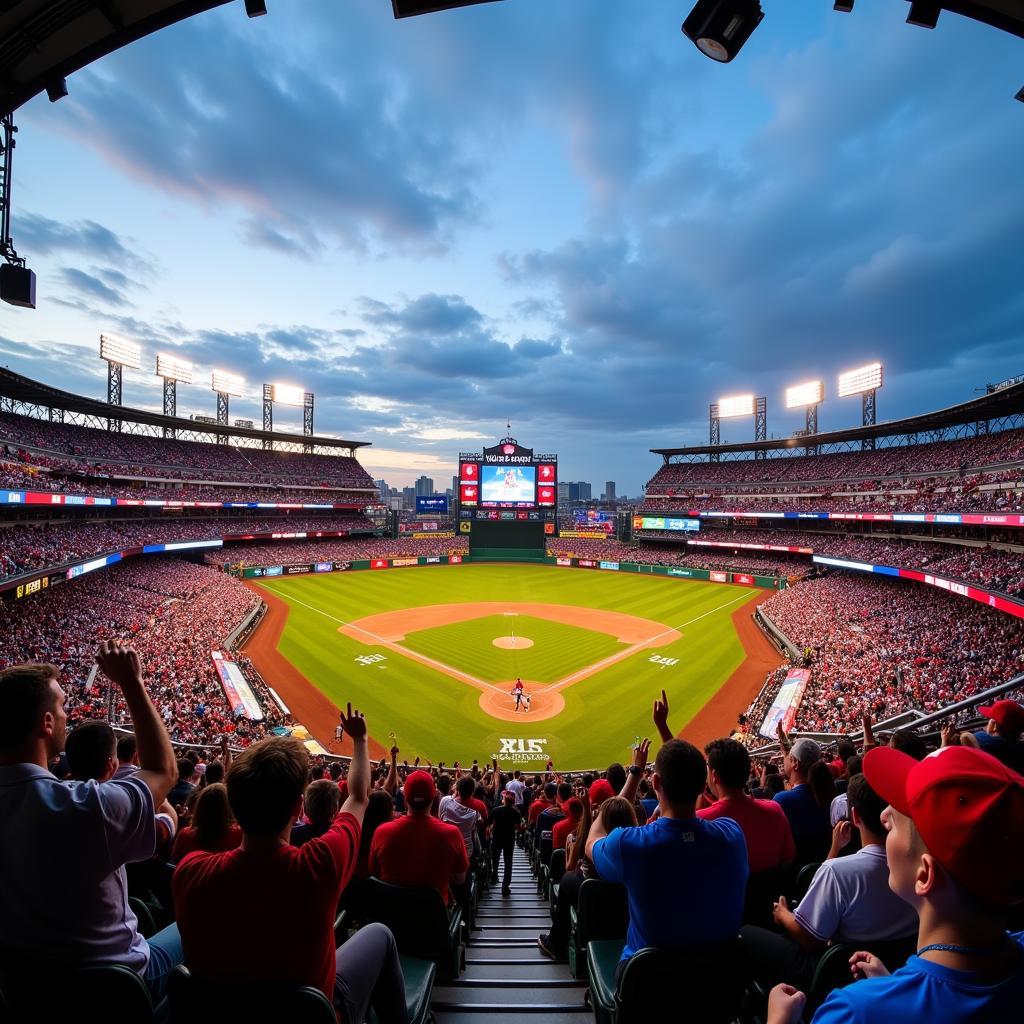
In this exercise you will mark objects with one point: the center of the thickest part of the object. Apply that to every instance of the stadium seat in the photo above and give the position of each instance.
(555, 870)
(419, 987)
(715, 980)
(602, 912)
(763, 889)
(543, 860)
(420, 923)
(192, 1000)
(803, 881)
(147, 926)
(111, 993)
(833, 970)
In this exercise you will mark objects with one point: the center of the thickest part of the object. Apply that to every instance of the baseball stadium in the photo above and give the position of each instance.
(497, 753)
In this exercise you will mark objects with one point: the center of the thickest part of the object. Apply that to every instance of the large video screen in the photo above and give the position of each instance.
(516, 484)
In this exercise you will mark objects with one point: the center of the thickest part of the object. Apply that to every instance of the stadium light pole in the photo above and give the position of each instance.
(737, 406)
(807, 396)
(864, 381)
(170, 369)
(224, 385)
(287, 394)
(118, 354)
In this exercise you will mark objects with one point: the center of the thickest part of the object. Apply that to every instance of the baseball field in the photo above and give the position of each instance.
(431, 655)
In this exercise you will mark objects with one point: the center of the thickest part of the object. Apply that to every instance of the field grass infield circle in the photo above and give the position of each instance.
(415, 651)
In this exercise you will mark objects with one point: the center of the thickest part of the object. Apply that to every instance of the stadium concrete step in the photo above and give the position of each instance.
(507, 979)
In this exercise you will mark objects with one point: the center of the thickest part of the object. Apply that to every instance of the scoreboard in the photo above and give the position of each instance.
(508, 484)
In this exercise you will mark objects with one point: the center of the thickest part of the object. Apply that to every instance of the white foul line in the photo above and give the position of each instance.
(620, 655)
(415, 655)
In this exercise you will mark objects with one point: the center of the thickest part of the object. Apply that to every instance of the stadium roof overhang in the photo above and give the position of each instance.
(999, 404)
(26, 391)
(44, 41)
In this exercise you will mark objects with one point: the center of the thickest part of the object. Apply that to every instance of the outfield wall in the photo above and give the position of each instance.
(677, 572)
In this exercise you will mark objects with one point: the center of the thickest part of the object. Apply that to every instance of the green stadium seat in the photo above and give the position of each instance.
(194, 1000)
(419, 987)
(715, 980)
(420, 923)
(803, 881)
(833, 970)
(602, 912)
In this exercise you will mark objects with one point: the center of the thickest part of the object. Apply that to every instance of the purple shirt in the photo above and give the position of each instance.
(63, 847)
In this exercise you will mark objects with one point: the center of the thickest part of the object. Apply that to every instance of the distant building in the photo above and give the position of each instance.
(382, 489)
(563, 492)
(579, 490)
(408, 497)
(609, 490)
(424, 487)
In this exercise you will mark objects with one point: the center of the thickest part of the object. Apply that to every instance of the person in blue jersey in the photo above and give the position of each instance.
(955, 848)
(685, 877)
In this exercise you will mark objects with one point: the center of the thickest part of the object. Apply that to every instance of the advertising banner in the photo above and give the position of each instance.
(586, 563)
(454, 559)
(563, 561)
(432, 560)
(718, 577)
(296, 570)
(610, 565)
(584, 534)
(664, 523)
(323, 567)
(742, 577)
(399, 562)
(240, 698)
(786, 703)
(378, 563)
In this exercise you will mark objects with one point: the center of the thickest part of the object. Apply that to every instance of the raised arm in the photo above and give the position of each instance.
(636, 769)
(157, 766)
(354, 725)
(660, 716)
(391, 782)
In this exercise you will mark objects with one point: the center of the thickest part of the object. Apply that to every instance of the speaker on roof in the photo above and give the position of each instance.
(410, 8)
(17, 285)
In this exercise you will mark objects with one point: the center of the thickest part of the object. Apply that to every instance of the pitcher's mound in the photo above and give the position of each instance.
(512, 643)
(499, 704)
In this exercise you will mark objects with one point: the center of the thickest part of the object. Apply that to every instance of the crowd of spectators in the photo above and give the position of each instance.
(66, 445)
(901, 852)
(27, 545)
(963, 456)
(25, 476)
(329, 549)
(174, 612)
(879, 646)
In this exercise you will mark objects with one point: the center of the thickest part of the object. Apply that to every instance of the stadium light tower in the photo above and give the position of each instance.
(118, 354)
(808, 396)
(171, 369)
(287, 394)
(734, 407)
(864, 381)
(224, 385)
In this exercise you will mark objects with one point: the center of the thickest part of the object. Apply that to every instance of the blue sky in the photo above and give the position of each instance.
(557, 213)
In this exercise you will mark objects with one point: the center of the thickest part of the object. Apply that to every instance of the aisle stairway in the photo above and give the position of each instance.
(506, 977)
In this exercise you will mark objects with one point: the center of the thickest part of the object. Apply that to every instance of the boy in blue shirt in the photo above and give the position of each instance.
(955, 847)
(685, 877)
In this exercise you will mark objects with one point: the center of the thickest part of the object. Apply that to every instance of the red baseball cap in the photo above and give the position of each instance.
(1006, 712)
(419, 786)
(600, 790)
(969, 810)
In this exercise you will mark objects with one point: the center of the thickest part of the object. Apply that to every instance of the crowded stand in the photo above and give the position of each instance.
(961, 456)
(862, 882)
(64, 446)
(337, 549)
(878, 646)
(26, 546)
(174, 612)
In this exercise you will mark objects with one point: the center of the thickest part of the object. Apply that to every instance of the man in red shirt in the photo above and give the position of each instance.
(763, 822)
(418, 849)
(568, 825)
(289, 939)
(543, 802)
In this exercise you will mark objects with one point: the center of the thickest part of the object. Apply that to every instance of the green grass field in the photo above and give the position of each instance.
(439, 718)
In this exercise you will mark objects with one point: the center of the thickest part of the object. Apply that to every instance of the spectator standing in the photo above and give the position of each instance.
(213, 826)
(289, 941)
(504, 821)
(807, 808)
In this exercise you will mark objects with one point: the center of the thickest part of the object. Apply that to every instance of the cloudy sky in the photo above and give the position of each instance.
(557, 213)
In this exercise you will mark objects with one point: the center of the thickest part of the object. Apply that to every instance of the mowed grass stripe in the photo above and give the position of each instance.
(437, 717)
(557, 649)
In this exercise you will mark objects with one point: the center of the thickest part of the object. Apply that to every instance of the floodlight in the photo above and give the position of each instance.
(865, 378)
(735, 405)
(174, 368)
(118, 350)
(409, 8)
(227, 383)
(288, 394)
(255, 8)
(57, 90)
(800, 395)
(923, 14)
(719, 28)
